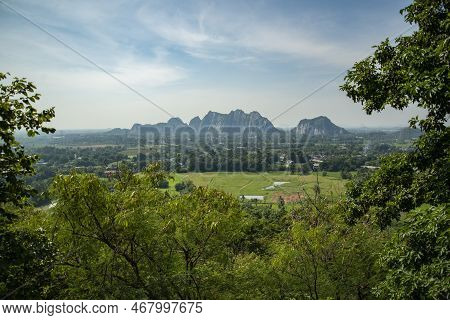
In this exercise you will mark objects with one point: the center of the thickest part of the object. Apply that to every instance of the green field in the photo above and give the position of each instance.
(254, 183)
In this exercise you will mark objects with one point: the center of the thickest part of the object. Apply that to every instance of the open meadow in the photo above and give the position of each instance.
(267, 184)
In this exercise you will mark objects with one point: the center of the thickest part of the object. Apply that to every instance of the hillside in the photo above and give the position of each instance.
(320, 126)
(172, 124)
(236, 118)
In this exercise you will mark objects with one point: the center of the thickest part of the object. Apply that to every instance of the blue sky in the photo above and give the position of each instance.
(190, 57)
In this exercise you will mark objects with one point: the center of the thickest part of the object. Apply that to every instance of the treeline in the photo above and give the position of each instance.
(59, 160)
(298, 159)
(69, 157)
(334, 157)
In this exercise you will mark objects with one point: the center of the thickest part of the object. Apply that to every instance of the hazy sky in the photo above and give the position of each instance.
(190, 57)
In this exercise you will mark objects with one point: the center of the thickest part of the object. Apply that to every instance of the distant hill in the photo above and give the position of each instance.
(172, 124)
(320, 126)
(195, 123)
(388, 134)
(236, 118)
(407, 134)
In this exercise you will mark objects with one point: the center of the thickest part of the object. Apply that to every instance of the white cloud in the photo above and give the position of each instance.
(58, 64)
(140, 43)
(134, 74)
(223, 35)
(148, 74)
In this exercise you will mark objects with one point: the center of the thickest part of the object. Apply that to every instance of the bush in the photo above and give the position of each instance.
(185, 186)
(163, 184)
(346, 175)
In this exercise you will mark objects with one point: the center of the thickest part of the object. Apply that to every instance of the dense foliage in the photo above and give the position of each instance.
(417, 259)
(17, 112)
(26, 256)
(414, 71)
(129, 239)
(126, 238)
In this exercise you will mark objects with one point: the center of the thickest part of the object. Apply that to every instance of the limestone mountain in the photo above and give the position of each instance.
(236, 118)
(320, 126)
(195, 123)
(172, 124)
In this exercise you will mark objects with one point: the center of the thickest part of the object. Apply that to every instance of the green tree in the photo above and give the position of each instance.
(184, 186)
(17, 112)
(263, 225)
(132, 240)
(320, 257)
(164, 184)
(417, 259)
(306, 169)
(414, 71)
(345, 174)
(27, 259)
(26, 256)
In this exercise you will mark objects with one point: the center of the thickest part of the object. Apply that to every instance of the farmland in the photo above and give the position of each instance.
(255, 184)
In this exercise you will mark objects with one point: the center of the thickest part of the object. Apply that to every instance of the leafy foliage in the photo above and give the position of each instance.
(26, 256)
(385, 194)
(414, 71)
(130, 239)
(321, 257)
(17, 112)
(403, 182)
(184, 186)
(26, 262)
(417, 259)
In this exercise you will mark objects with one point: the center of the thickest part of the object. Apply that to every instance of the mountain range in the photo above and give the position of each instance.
(236, 118)
(320, 126)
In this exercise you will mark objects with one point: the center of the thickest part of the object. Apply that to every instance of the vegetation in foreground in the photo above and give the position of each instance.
(127, 238)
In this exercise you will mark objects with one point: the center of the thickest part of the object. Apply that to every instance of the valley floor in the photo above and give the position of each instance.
(271, 185)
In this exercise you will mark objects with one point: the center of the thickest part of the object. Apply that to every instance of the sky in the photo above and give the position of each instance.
(190, 57)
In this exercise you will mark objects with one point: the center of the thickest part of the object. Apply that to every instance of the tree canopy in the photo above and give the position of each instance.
(413, 71)
(26, 256)
(412, 187)
(17, 112)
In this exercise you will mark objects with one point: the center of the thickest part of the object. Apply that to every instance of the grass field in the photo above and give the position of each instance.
(254, 184)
